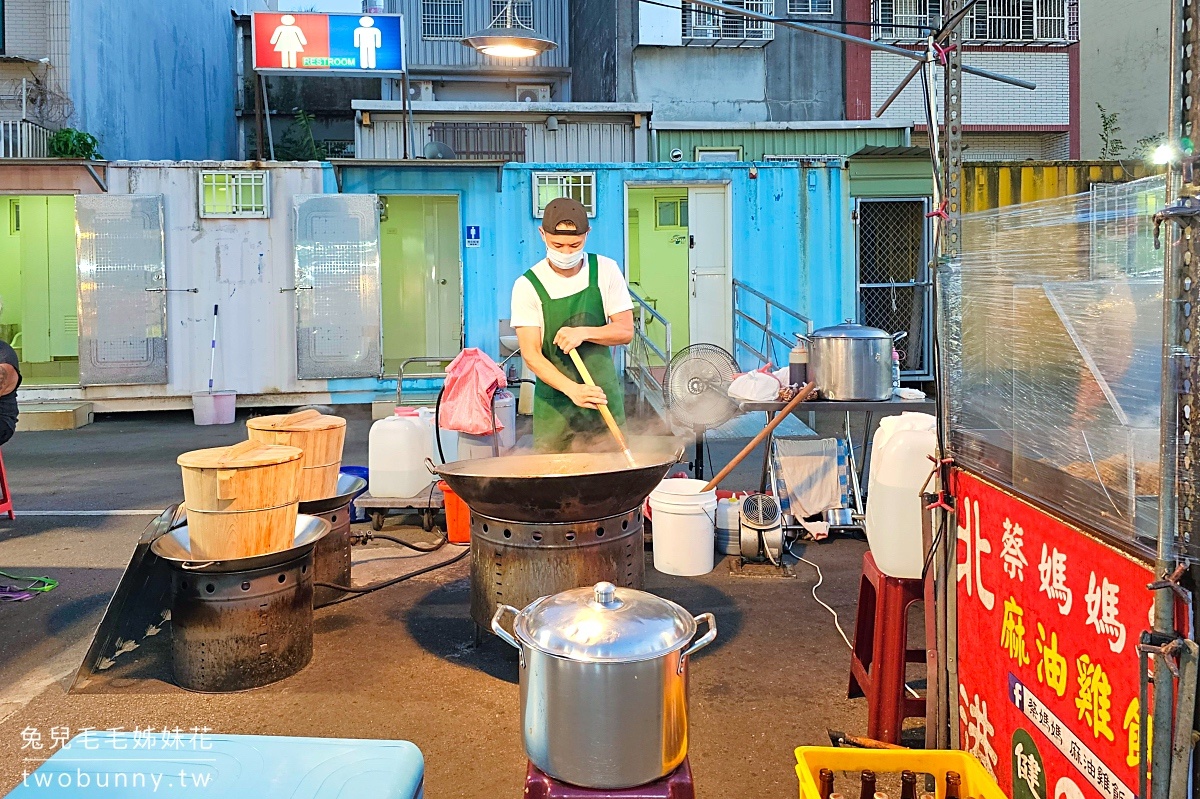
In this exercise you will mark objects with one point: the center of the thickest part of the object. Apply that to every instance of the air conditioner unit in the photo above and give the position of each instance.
(420, 91)
(533, 94)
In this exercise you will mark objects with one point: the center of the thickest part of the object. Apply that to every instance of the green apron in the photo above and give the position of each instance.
(556, 419)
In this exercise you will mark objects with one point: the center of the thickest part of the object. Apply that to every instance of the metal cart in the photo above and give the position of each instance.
(428, 503)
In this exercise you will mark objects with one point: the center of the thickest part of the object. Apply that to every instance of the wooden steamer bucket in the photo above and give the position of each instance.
(242, 500)
(319, 436)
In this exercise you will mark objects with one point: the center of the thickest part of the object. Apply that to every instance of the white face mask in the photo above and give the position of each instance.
(564, 260)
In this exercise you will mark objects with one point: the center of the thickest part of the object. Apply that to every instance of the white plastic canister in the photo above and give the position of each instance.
(397, 449)
(729, 526)
(899, 465)
(684, 527)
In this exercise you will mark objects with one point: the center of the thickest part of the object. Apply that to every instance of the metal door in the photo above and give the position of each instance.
(122, 290)
(337, 286)
(894, 287)
(711, 303)
(444, 311)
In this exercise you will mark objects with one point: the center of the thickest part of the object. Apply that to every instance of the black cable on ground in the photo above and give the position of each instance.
(417, 547)
(366, 589)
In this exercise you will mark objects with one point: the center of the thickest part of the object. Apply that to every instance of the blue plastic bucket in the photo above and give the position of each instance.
(356, 515)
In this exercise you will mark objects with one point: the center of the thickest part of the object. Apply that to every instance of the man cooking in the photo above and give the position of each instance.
(571, 300)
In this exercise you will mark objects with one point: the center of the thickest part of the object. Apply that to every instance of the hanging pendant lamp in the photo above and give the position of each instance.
(508, 37)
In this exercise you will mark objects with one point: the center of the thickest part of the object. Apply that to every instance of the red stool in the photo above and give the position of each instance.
(6, 499)
(676, 785)
(881, 651)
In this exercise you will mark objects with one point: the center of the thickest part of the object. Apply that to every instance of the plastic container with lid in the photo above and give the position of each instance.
(900, 452)
(396, 451)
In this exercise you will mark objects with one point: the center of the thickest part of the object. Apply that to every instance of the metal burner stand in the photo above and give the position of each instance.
(514, 563)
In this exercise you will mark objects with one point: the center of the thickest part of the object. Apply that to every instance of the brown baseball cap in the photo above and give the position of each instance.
(565, 216)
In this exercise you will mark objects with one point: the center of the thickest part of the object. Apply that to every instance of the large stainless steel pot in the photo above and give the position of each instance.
(851, 362)
(604, 683)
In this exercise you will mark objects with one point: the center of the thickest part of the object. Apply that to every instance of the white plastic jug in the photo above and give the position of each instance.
(397, 449)
(899, 465)
(729, 526)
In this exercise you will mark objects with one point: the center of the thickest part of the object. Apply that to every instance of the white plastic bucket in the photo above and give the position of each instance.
(219, 407)
(684, 527)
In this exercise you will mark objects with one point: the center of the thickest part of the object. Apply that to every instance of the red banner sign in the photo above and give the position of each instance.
(1048, 626)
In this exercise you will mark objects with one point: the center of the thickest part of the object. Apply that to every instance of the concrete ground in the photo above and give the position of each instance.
(397, 663)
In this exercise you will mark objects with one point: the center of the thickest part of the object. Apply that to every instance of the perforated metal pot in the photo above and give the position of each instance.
(604, 683)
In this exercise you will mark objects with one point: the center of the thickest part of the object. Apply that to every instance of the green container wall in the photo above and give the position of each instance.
(890, 177)
(756, 144)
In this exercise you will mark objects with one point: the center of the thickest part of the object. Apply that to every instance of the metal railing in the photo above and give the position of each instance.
(21, 138)
(644, 354)
(771, 313)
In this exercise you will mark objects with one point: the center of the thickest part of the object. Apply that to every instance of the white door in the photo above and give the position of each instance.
(338, 305)
(711, 304)
(122, 290)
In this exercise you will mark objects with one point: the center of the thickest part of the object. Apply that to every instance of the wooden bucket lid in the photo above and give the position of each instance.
(302, 421)
(246, 455)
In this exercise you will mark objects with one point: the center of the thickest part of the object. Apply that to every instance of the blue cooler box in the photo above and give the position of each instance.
(131, 765)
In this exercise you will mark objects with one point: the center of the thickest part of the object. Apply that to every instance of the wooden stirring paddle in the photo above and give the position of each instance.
(605, 413)
(804, 394)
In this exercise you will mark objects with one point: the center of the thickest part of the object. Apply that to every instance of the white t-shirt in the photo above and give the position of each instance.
(527, 305)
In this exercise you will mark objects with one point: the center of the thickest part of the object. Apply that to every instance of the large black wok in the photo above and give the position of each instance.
(572, 487)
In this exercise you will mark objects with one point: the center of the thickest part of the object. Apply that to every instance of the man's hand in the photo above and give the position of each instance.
(8, 379)
(586, 396)
(569, 338)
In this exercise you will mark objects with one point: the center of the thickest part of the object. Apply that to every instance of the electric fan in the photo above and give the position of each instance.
(761, 528)
(696, 392)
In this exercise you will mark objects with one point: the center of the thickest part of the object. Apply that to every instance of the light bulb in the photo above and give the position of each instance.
(508, 51)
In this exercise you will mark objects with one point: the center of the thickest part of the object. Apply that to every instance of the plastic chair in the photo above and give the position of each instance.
(676, 785)
(881, 651)
(6, 505)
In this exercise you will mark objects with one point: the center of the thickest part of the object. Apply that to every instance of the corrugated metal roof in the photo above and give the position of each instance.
(440, 107)
(837, 124)
(893, 152)
(758, 143)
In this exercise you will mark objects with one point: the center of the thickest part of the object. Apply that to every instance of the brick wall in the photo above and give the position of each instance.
(1010, 146)
(26, 28)
(985, 102)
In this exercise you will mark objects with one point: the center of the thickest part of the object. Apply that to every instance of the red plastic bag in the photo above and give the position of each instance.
(471, 379)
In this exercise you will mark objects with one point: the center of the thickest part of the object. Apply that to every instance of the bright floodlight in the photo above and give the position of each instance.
(1163, 154)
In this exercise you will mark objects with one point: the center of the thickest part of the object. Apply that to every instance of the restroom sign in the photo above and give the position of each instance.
(473, 235)
(333, 44)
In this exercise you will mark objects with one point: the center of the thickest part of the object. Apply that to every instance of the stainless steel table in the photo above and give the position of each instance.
(871, 409)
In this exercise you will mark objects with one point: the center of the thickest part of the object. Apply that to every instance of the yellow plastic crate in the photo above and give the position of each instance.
(976, 782)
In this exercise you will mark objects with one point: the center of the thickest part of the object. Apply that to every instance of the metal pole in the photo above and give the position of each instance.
(1168, 512)
(260, 136)
(404, 113)
(267, 113)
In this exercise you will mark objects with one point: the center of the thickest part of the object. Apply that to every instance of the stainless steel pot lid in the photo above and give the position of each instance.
(849, 329)
(605, 624)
